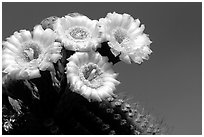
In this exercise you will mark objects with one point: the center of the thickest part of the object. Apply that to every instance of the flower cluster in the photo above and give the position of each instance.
(88, 73)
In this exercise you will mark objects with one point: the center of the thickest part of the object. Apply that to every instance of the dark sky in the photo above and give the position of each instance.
(169, 83)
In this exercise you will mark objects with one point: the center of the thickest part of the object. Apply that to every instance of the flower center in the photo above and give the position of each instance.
(119, 35)
(92, 73)
(31, 51)
(78, 33)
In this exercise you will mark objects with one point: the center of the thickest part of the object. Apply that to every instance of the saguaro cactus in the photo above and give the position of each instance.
(69, 88)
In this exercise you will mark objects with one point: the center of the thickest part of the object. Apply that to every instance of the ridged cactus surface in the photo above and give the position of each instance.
(73, 114)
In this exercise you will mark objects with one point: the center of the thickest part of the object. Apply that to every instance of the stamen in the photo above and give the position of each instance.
(29, 54)
(31, 51)
(91, 74)
(120, 36)
(79, 33)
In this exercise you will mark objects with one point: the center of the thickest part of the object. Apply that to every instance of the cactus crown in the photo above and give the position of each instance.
(57, 102)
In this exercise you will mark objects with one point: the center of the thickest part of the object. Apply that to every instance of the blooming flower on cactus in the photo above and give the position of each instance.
(78, 33)
(125, 37)
(90, 75)
(25, 53)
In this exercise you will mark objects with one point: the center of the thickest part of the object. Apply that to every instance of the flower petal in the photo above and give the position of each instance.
(10, 46)
(126, 21)
(104, 92)
(34, 74)
(134, 26)
(38, 32)
(26, 35)
(137, 32)
(94, 95)
(23, 74)
(55, 57)
(12, 39)
(48, 37)
(86, 92)
(46, 66)
(115, 52)
(125, 58)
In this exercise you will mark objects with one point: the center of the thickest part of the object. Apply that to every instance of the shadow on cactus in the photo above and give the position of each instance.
(58, 79)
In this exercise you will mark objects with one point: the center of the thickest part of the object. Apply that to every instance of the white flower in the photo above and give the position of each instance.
(125, 37)
(90, 75)
(25, 53)
(78, 33)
